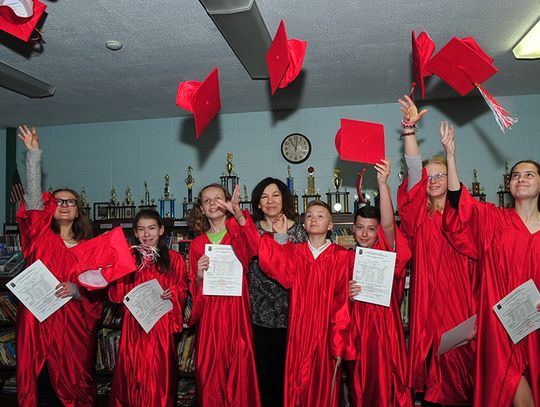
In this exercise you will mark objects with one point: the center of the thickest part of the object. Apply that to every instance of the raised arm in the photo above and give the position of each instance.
(385, 200)
(447, 141)
(32, 198)
(411, 116)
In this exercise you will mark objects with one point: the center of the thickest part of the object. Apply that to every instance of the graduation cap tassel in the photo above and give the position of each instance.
(504, 119)
(359, 182)
(149, 255)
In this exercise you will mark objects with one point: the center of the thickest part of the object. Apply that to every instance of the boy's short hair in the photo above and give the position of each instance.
(319, 203)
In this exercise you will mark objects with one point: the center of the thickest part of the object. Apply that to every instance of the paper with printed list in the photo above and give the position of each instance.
(145, 304)
(517, 311)
(225, 272)
(374, 272)
(35, 287)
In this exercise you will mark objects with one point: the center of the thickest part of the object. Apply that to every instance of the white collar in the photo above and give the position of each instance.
(317, 251)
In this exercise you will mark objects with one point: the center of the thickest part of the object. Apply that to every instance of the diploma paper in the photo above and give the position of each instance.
(457, 336)
(517, 311)
(145, 304)
(224, 274)
(374, 271)
(35, 287)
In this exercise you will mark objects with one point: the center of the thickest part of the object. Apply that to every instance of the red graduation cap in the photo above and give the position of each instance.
(284, 59)
(200, 98)
(463, 65)
(103, 259)
(360, 141)
(422, 49)
(20, 27)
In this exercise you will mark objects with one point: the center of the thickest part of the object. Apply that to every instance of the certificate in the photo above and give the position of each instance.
(457, 336)
(145, 304)
(224, 274)
(35, 287)
(374, 271)
(517, 311)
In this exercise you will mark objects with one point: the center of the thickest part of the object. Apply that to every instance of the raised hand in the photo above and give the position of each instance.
(447, 139)
(29, 137)
(383, 171)
(233, 206)
(410, 111)
(279, 224)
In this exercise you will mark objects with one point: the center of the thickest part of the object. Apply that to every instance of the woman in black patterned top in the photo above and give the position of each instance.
(272, 204)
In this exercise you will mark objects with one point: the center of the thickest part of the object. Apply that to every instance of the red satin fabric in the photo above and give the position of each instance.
(508, 256)
(67, 339)
(146, 372)
(379, 373)
(319, 318)
(225, 362)
(443, 294)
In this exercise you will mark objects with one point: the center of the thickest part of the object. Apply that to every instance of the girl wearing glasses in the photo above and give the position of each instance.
(443, 281)
(55, 358)
(225, 361)
(506, 243)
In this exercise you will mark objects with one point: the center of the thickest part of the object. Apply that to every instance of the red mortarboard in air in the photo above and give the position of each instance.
(284, 59)
(200, 98)
(20, 27)
(463, 65)
(103, 259)
(361, 142)
(422, 49)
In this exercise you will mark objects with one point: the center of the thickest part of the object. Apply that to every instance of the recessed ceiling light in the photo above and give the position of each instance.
(113, 45)
(529, 46)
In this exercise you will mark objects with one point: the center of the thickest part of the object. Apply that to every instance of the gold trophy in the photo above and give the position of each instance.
(167, 199)
(189, 183)
(229, 179)
(475, 188)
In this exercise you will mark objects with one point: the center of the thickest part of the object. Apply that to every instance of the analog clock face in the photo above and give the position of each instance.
(296, 148)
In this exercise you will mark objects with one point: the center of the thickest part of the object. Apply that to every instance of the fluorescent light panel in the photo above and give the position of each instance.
(242, 25)
(20, 82)
(529, 46)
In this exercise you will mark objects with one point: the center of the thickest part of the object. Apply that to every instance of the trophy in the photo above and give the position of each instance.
(290, 180)
(311, 192)
(338, 200)
(129, 204)
(475, 188)
(146, 202)
(114, 197)
(187, 204)
(166, 202)
(229, 180)
(506, 177)
(245, 202)
(500, 194)
(84, 201)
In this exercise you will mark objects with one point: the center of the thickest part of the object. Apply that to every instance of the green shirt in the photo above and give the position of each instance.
(216, 238)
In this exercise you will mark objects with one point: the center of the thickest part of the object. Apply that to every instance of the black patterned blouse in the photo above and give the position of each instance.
(269, 300)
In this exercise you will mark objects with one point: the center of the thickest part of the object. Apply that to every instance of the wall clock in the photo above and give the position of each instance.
(296, 148)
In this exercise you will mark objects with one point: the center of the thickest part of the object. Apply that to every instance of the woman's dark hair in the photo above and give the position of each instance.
(81, 227)
(368, 212)
(196, 218)
(286, 198)
(163, 261)
(532, 162)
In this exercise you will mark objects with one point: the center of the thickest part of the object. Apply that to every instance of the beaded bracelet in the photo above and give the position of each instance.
(409, 125)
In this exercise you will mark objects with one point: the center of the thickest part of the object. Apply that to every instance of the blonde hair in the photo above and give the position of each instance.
(433, 207)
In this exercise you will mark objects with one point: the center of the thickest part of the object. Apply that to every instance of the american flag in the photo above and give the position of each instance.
(17, 191)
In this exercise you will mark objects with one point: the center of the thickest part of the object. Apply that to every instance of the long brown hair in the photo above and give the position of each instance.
(81, 227)
(436, 159)
(163, 261)
(196, 218)
(532, 162)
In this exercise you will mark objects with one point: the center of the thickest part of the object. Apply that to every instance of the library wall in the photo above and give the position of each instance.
(98, 156)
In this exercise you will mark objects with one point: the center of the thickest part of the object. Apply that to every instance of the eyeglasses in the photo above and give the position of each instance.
(437, 177)
(68, 202)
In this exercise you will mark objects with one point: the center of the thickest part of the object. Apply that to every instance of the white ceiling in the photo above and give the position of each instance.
(358, 53)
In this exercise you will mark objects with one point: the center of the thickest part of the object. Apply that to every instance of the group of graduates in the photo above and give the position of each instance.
(295, 326)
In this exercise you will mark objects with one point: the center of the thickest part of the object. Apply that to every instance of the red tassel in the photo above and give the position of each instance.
(359, 182)
(503, 117)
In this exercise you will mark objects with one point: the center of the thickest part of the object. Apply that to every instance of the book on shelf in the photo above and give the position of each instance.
(7, 348)
(8, 308)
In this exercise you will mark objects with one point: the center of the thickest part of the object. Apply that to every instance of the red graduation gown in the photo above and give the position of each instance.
(146, 372)
(319, 318)
(443, 295)
(67, 339)
(379, 377)
(508, 256)
(225, 362)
